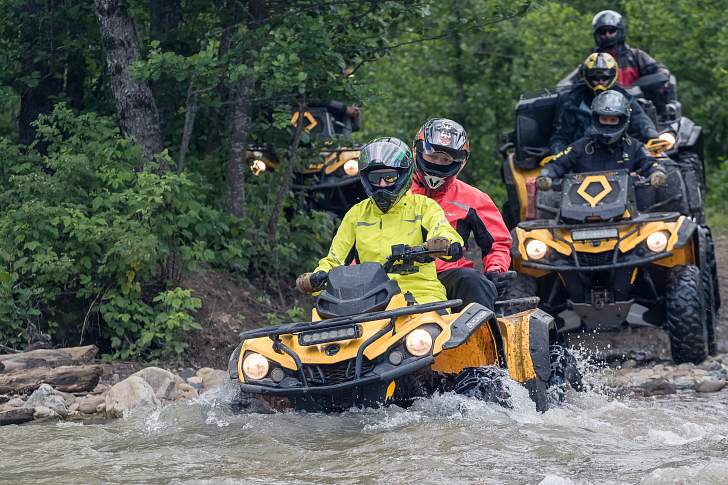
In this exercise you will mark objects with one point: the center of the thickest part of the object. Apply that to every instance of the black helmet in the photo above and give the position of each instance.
(609, 103)
(604, 20)
(384, 153)
(440, 135)
(599, 71)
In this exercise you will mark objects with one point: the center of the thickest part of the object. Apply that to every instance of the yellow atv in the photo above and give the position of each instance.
(331, 180)
(605, 249)
(370, 345)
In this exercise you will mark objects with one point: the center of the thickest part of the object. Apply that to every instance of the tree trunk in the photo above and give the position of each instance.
(48, 358)
(134, 100)
(235, 167)
(240, 126)
(78, 378)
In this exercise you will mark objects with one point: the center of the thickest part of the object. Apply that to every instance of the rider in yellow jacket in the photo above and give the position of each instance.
(391, 216)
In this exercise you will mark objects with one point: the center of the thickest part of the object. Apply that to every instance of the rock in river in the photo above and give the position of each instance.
(128, 394)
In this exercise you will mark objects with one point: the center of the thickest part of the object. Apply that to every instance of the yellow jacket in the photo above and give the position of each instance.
(369, 234)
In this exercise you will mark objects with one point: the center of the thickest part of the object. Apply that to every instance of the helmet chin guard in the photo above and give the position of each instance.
(433, 181)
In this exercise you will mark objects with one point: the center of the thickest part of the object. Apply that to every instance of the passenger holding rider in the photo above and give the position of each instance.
(605, 147)
(573, 113)
(609, 28)
(441, 150)
(389, 216)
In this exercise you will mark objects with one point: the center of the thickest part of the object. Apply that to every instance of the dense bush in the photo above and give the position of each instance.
(92, 248)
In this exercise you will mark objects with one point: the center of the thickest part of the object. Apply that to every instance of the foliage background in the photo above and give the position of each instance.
(92, 247)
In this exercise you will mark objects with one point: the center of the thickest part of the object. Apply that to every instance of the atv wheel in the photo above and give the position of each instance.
(485, 383)
(522, 286)
(685, 321)
(712, 297)
(565, 373)
(691, 161)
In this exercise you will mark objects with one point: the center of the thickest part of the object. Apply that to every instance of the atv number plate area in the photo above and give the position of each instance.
(592, 234)
(316, 337)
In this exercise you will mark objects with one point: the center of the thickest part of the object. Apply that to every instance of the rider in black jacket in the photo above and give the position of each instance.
(573, 112)
(606, 146)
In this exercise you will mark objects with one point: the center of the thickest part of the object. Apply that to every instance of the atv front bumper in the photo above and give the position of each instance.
(381, 374)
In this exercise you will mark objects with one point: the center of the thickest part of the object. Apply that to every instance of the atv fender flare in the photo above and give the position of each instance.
(468, 322)
(539, 328)
(233, 363)
(685, 232)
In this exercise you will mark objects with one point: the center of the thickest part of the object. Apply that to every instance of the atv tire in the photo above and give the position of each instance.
(565, 373)
(485, 383)
(709, 276)
(522, 286)
(685, 319)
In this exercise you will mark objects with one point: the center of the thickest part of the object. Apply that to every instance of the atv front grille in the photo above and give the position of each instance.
(328, 374)
(595, 259)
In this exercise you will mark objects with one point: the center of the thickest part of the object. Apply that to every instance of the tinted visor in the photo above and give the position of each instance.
(383, 154)
(388, 176)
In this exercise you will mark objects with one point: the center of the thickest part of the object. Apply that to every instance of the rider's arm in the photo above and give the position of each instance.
(435, 223)
(563, 162)
(645, 164)
(640, 125)
(492, 236)
(646, 64)
(342, 243)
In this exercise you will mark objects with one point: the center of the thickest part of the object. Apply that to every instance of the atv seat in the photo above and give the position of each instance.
(534, 122)
(357, 289)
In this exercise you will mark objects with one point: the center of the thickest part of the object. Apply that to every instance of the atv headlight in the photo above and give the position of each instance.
(419, 342)
(657, 241)
(255, 366)
(351, 167)
(536, 249)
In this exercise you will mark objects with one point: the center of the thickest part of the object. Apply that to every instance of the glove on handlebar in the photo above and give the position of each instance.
(543, 182)
(303, 283)
(658, 178)
(438, 244)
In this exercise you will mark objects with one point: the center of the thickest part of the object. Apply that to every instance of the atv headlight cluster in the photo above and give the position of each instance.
(418, 342)
(536, 249)
(255, 366)
(657, 241)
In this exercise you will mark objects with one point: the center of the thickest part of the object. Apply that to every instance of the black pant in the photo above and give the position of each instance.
(469, 285)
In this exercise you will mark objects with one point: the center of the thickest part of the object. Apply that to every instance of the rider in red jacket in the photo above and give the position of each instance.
(441, 150)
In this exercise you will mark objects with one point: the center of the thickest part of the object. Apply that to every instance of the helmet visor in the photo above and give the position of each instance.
(383, 178)
(383, 154)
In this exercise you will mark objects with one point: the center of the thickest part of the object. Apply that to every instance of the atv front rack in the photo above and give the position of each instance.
(292, 328)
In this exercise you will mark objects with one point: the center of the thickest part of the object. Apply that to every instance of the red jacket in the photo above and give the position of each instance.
(470, 210)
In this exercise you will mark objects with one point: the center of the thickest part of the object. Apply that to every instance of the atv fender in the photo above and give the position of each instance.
(539, 327)
(467, 323)
(689, 135)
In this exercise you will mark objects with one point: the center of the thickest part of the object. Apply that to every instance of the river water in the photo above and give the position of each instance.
(592, 438)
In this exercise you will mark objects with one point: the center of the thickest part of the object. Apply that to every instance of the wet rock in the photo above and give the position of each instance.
(129, 394)
(657, 387)
(47, 397)
(101, 407)
(73, 408)
(629, 364)
(89, 403)
(4, 398)
(186, 373)
(15, 415)
(100, 389)
(196, 382)
(213, 380)
(162, 381)
(43, 412)
(710, 385)
(684, 382)
(186, 391)
(16, 402)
